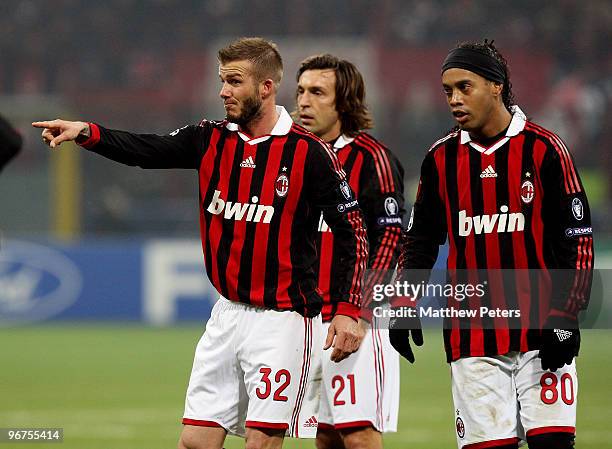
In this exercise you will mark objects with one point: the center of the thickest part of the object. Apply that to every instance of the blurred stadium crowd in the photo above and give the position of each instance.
(148, 65)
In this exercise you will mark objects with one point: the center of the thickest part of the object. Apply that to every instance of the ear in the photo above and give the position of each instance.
(496, 89)
(266, 88)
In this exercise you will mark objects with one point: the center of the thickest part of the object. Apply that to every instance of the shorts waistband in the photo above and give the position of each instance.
(226, 304)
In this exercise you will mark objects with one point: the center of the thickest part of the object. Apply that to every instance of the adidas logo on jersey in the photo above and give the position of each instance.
(248, 163)
(562, 335)
(487, 224)
(488, 173)
(311, 422)
(240, 211)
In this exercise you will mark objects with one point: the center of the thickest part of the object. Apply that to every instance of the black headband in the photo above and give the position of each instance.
(475, 61)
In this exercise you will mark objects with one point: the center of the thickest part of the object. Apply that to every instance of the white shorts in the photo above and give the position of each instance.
(363, 389)
(504, 399)
(256, 367)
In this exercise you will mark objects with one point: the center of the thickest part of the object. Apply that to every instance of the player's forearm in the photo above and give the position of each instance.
(416, 260)
(349, 231)
(572, 279)
(142, 150)
(384, 253)
(417, 253)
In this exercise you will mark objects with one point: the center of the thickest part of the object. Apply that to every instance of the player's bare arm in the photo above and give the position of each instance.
(57, 131)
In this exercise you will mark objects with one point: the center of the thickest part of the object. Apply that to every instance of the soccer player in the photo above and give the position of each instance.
(360, 395)
(10, 142)
(264, 181)
(506, 193)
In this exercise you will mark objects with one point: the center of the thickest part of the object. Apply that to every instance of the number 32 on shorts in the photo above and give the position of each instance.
(554, 387)
(282, 378)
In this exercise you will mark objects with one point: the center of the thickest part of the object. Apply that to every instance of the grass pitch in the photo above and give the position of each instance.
(123, 386)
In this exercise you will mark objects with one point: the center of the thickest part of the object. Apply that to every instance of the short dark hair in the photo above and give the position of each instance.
(263, 54)
(487, 47)
(350, 91)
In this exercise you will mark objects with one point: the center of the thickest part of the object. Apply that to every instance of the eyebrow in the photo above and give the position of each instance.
(463, 81)
(231, 75)
(315, 87)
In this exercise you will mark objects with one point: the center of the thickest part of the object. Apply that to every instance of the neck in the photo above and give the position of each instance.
(498, 121)
(333, 133)
(264, 122)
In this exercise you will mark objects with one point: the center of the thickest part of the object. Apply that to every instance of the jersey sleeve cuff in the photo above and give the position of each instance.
(348, 309)
(366, 314)
(562, 315)
(94, 137)
(403, 301)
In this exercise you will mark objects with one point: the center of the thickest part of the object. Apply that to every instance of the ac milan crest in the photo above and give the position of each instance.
(460, 427)
(282, 185)
(527, 192)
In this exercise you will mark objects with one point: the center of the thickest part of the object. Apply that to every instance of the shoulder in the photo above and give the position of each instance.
(555, 147)
(213, 124)
(202, 126)
(364, 139)
(368, 144)
(545, 135)
(439, 149)
(315, 146)
(300, 133)
(380, 162)
(374, 150)
(448, 140)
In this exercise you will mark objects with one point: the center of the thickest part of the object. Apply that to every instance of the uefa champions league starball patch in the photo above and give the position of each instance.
(346, 190)
(391, 207)
(577, 209)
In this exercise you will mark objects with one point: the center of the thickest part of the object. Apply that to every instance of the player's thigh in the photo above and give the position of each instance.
(197, 437)
(547, 399)
(362, 438)
(484, 397)
(328, 438)
(362, 390)
(264, 438)
(280, 356)
(216, 389)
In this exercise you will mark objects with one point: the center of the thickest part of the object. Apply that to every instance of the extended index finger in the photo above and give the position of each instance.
(45, 124)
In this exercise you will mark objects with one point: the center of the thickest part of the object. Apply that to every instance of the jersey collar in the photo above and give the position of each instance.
(342, 141)
(517, 124)
(281, 128)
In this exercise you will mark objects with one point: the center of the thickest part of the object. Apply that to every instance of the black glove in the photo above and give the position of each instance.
(400, 329)
(560, 343)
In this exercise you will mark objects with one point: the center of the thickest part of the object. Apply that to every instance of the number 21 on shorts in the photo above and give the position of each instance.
(338, 384)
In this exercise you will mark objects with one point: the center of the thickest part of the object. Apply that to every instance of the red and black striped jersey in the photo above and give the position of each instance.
(260, 202)
(517, 204)
(376, 176)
